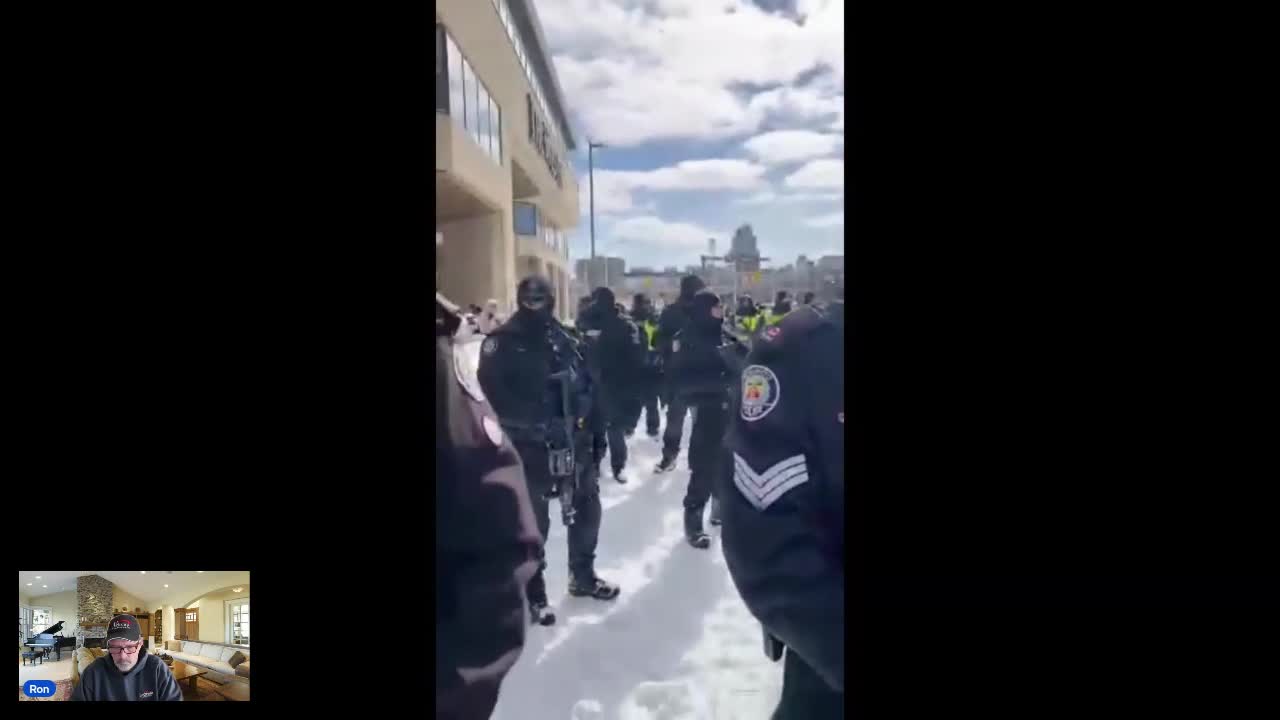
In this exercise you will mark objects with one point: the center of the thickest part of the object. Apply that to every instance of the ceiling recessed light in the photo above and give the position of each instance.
(199, 571)
(37, 577)
(144, 572)
(28, 584)
(237, 589)
(166, 586)
(45, 586)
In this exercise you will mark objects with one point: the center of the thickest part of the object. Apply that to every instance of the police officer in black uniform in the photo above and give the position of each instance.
(487, 541)
(781, 305)
(516, 364)
(674, 318)
(700, 379)
(615, 356)
(782, 500)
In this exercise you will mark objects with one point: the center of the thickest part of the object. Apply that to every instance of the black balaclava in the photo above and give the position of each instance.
(690, 284)
(603, 302)
(535, 298)
(782, 303)
(700, 316)
(641, 308)
(808, 298)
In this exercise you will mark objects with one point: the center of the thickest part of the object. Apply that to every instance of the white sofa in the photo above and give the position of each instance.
(214, 657)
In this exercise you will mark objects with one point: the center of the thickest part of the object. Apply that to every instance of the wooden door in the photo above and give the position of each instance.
(179, 624)
(192, 616)
(144, 626)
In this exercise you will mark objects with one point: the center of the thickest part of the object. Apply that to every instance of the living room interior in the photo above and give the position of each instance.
(196, 621)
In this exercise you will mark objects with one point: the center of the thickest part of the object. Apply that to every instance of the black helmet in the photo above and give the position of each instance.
(603, 297)
(534, 295)
(703, 302)
(690, 284)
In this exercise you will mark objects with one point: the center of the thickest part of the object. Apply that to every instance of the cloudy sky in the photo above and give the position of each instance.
(715, 113)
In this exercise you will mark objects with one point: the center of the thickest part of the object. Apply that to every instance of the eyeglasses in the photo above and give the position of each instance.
(127, 650)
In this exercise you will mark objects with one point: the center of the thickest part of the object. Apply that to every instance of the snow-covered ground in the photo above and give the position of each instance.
(677, 644)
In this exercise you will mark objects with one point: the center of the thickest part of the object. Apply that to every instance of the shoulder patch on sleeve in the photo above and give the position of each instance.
(760, 392)
(490, 346)
(763, 489)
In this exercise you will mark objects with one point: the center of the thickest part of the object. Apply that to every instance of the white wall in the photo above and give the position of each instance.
(65, 607)
(122, 599)
(213, 615)
(168, 623)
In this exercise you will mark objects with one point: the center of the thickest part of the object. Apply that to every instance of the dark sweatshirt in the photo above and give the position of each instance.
(149, 679)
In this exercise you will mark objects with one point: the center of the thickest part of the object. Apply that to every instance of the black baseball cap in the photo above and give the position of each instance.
(124, 626)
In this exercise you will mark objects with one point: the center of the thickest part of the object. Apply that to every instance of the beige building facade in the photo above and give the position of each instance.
(506, 195)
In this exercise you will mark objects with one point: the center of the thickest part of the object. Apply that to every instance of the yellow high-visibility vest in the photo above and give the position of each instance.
(650, 331)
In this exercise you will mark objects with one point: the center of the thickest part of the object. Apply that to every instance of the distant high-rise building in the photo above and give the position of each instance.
(831, 263)
(600, 272)
(744, 242)
(743, 249)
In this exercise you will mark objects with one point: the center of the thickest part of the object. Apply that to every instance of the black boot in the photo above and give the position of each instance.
(592, 587)
(715, 512)
(693, 529)
(666, 465)
(619, 477)
(541, 614)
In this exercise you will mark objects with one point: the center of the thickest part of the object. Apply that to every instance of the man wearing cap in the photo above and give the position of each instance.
(131, 674)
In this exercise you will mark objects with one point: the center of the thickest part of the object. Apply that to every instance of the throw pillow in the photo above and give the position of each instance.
(227, 652)
(213, 652)
(236, 658)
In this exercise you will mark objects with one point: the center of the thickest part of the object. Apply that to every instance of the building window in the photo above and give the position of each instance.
(238, 622)
(479, 102)
(525, 219)
(469, 101)
(453, 61)
(495, 127)
(468, 96)
(442, 76)
(482, 127)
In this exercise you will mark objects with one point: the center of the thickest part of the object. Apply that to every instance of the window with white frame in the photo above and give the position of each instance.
(238, 622)
(41, 618)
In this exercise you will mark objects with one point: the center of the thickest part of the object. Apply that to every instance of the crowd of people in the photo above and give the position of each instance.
(548, 401)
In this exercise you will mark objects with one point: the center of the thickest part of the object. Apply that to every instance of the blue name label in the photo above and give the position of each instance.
(40, 688)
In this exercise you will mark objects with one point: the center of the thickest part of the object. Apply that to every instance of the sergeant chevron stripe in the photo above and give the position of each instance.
(763, 489)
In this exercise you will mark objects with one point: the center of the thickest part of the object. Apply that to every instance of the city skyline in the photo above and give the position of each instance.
(699, 138)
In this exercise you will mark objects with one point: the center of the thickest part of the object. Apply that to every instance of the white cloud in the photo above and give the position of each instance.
(769, 197)
(636, 71)
(764, 197)
(615, 188)
(832, 220)
(650, 240)
(818, 174)
(787, 146)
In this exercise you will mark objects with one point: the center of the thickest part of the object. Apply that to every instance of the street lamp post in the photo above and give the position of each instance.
(591, 181)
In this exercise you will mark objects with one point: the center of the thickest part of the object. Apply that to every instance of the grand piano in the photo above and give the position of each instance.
(50, 640)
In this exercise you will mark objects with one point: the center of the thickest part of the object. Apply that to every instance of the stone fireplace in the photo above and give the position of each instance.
(94, 595)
